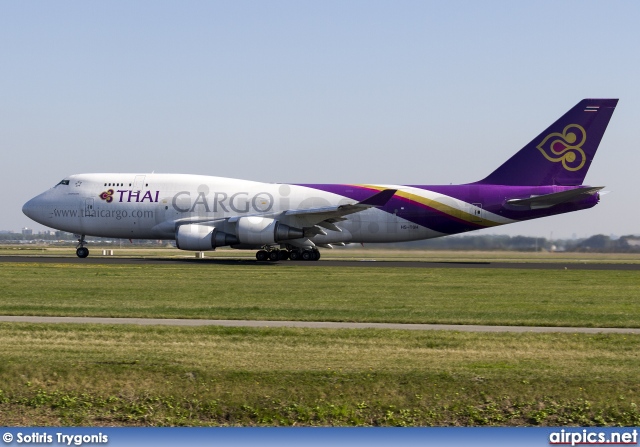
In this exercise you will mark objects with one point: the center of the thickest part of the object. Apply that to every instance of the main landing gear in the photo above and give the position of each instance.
(282, 255)
(81, 250)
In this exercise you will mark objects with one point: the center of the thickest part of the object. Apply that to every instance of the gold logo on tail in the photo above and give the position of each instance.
(565, 147)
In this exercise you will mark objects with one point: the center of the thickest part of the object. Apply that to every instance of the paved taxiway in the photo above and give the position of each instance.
(329, 263)
(314, 325)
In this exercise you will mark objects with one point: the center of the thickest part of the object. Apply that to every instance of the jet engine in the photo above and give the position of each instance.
(250, 231)
(199, 237)
(256, 230)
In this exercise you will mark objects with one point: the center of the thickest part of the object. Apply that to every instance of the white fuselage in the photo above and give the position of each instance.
(151, 206)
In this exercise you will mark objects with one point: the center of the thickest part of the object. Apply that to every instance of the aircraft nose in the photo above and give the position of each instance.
(31, 209)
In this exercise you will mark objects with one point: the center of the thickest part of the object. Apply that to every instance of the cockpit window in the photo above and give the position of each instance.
(63, 182)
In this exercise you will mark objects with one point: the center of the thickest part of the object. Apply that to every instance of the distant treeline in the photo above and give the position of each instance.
(598, 243)
(64, 238)
(52, 236)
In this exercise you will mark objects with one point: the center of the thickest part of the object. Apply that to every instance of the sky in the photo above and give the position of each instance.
(392, 92)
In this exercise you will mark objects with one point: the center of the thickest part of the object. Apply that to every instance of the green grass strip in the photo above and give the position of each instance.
(167, 376)
(285, 292)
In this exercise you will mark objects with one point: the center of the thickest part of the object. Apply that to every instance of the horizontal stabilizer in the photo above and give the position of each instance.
(556, 198)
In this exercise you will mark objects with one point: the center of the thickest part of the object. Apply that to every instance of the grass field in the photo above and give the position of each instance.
(127, 375)
(289, 292)
(56, 374)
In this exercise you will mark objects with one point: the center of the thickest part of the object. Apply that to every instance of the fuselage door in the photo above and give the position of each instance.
(89, 210)
(138, 183)
(477, 213)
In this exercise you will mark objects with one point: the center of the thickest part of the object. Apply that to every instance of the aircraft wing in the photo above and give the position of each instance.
(556, 198)
(326, 217)
(312, 221)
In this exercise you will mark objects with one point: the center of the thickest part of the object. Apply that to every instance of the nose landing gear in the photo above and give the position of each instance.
(81, 250)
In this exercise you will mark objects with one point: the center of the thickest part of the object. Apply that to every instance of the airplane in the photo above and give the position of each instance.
(291, 221)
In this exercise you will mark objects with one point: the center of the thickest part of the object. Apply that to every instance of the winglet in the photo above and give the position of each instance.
(379, 199)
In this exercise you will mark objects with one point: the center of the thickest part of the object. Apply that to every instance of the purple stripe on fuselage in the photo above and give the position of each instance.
(491, 198)
(404, 208)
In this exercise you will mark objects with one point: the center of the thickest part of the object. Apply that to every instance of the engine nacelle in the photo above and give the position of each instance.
(256, 230)
(197, 237)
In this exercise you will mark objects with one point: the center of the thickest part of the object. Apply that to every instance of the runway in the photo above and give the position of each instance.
(325, 263)
(316, 325)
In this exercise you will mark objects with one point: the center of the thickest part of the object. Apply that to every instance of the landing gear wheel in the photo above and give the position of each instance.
(82, 252)
(262, 255)
(294, 255)
(284, 255)
(307, 255)
(317, 255)
(274, 255)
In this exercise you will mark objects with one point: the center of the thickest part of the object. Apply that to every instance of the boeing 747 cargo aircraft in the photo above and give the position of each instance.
(290, 221)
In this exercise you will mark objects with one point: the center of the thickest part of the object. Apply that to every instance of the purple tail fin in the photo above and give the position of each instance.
(562, 154)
